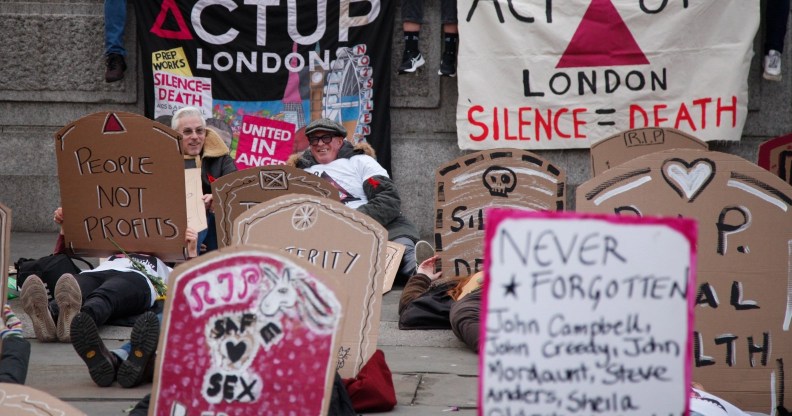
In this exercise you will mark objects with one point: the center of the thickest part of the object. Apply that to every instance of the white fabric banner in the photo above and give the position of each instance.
(542, 74)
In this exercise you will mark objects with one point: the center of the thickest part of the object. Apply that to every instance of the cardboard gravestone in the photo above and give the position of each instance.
(586, 314)
(744, 304)
(629, 144)
(17, 399)
(775, 155)
(121, 181)
(236, 192)
(393, 256)
(336, 238)
(5, 249)
(468, 185)
(248, 330)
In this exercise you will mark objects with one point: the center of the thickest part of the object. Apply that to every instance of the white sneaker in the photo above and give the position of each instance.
(772, 66)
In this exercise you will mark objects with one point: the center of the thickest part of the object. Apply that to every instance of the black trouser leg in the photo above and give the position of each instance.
(14, 361)
(120, 295)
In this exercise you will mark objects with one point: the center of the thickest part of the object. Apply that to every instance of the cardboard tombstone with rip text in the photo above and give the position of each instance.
(743, 302)
(122, 183)
(248, 330)
(586, 314)
(629, 144)
(236, 192)
(466, 186)
(336, 238)
(775, 155)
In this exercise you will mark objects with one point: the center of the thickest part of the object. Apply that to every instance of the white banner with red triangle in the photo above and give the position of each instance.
(553, 75)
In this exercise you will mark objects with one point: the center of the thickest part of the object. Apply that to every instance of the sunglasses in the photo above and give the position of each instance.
(199, 131)
(326, 139)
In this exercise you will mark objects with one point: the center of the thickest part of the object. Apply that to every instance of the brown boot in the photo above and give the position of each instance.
(116, 65)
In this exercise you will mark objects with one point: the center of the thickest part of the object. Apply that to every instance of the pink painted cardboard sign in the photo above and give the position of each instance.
(248, 330)
(586, 314)
(264, 141)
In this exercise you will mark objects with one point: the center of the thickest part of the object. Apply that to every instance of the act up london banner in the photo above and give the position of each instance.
(537, 74)
(290, 61)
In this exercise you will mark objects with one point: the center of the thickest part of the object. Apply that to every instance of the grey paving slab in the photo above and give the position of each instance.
(414, 360)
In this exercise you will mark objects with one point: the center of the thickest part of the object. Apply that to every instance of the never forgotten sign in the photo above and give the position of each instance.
(248, 331)
(586, 315)
(743, 301)
(122, 182)
(339, 240)
(466, 186)
(236, 192)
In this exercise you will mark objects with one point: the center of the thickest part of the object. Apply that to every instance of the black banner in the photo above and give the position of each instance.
(286, 60)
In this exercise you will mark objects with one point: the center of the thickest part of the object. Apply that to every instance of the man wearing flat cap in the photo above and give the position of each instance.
(363, 184)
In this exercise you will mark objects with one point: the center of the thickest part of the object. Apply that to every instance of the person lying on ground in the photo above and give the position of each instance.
(123, 286)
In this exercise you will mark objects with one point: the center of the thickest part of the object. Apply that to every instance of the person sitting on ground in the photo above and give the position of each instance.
(203, 148)
(132, 364)
(113, 290)
(16, 349)
(364, 184)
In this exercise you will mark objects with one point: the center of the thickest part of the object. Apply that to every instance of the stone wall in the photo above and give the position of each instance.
(52, 72)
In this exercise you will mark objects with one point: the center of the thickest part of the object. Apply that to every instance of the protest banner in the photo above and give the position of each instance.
(196, 209)
(236, 192)
(586, 314)
(744, 305)
(336, 238)
(17, 399)
(466, 186)
(119, 174)
(775, 155)
(5, 249)
(393, 255)
(263, 142)
(561, 75)
(289, 63)
(628, 145)
(248, 330)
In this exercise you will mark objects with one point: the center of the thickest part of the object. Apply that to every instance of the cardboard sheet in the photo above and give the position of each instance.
(468, 185)
(775, 155)
(744, 302)
(629, 144)
(336, 238)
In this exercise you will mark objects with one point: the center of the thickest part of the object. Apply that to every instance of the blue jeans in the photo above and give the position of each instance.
(408, 264)
(209, 235)
(115, 22)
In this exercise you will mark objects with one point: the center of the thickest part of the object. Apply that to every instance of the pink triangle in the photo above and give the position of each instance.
(113, 124)
(602, 39)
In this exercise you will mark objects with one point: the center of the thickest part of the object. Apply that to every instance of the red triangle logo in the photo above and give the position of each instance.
(169, 6)
(602, 39)
(113, 124)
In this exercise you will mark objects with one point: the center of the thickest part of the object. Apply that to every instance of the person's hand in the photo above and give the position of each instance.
(207, 199)
(427, 267)
(57, 216)
(191, 240)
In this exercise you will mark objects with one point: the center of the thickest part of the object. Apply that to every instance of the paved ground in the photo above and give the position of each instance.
(433, 372)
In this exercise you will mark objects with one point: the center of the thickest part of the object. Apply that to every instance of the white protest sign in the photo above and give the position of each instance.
(564, 74)
(586, 314)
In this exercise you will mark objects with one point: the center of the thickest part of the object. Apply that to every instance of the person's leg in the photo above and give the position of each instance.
(68, 297)
(115, 23)
(408, 265)
(122, 294)
(776, 19)
(412, 18)
(448, 16)
(211, 233)
(36, 305)
(14, 360)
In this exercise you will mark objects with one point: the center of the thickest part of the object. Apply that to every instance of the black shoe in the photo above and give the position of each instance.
(139, 367)
(411, 61)
(116, 65)
(102, 364)
(447, 65)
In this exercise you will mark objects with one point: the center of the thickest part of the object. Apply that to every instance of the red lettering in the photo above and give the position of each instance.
(483, 126)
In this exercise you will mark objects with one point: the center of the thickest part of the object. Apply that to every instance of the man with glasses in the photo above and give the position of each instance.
(363, 184)
(203, 148)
